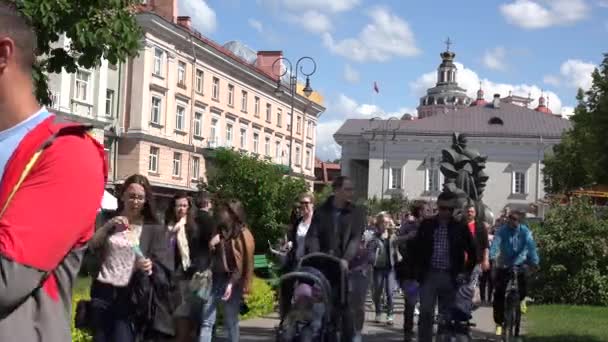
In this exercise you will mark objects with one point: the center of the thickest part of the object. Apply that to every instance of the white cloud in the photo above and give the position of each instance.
(203, 16)
(469, 80)
(602, 3)
(495, 59)
(320, 5)
(350, 74)
(256, 25)
(338, 111)
(385, 37)
(536, 14)
(312, 21)
(567, 111)
(573, 73)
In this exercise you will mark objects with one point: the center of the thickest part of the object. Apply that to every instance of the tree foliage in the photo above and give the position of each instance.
(96, 29)
(265, 191)
(581, 159)
(573, 245)
(394, 205)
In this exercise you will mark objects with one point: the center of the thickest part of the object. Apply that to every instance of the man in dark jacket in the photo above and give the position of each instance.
(337, 228)
(438, 254)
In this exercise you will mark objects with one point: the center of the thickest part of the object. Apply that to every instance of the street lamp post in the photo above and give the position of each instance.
(292, 88)
(385, 124)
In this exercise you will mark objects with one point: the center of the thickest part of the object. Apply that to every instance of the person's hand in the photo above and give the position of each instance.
(344, 263)
(118, 223)
(214, 241)
(485, 265)
(144, 264)
(227, 293)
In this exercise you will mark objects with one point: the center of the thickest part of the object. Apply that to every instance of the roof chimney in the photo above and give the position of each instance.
(496, 101)
(265, 62)
(165, 8)
(185, 22)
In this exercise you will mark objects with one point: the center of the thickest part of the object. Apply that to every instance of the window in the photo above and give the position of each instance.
(256, 106)
(198, 124)
(299, 125)
(153, 159)
(309, 129)
(156, 110)
(519, 183)
(200, 76)
(243, 137)
(181, 74)
(109, 102)
(298, 160)
(196, 168)
(267, 146)
(180, 118)
(243, 101)
(279, 117)
(395, 175)
(82, 85)
(432, 180)
(158, 61)
(213, 134)
(268, 112)
(230, 95)
(287, 154)
(256, 142)
(289, 117)
(308, 159)
(229, 134)
(215, 90)
(277, 151)
(177, 164)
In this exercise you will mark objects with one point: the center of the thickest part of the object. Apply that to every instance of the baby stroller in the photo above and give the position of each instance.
(319, 322)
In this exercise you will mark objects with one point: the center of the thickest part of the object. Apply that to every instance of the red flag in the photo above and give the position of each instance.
(376, 89)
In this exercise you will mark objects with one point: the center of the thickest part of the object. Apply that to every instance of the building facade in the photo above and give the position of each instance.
(90, 96)
(325, 173)
(186, 96)
(404, 159)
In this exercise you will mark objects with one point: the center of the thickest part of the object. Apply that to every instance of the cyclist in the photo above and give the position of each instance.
(513, 245)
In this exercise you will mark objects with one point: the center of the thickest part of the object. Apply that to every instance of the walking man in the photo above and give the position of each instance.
(438, 252)
(52, 180)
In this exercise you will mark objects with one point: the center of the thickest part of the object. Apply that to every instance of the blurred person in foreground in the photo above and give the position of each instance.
(52, 178)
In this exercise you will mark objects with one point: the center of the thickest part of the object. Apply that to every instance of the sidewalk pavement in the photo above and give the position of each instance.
(262, 329)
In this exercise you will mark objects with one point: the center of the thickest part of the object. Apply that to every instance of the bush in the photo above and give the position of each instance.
(573, 246)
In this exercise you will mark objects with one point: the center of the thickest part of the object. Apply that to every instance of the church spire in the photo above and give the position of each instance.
(446, 73)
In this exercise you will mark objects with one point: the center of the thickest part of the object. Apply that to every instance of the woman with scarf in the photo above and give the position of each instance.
(186, 247)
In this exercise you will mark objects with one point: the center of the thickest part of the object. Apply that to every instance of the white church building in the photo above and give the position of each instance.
(389, 157)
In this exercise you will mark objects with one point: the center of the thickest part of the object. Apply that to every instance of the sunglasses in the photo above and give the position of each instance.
(304, 203)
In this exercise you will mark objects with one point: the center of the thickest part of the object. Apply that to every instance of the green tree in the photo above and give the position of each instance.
(573, 248)
(96, 28)
(394, 205)
(264, 189)
(323, 195)
(581, 158)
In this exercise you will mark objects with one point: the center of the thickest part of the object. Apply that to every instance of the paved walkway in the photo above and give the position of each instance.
(262, 329)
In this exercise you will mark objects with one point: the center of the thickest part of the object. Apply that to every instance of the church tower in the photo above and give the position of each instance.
(446, 96)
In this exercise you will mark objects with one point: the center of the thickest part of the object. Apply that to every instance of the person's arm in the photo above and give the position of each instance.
(312, 236)
(53, 211)
(533, 257)
(470, 245)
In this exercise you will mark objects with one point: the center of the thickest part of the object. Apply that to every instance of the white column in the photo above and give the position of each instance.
(102, 86)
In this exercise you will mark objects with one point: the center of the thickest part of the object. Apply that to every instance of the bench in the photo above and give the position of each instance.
(261, 262)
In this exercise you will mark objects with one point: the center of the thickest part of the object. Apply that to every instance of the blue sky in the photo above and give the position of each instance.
(523, 46)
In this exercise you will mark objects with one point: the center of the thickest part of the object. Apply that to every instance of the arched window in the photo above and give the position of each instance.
(496, 121)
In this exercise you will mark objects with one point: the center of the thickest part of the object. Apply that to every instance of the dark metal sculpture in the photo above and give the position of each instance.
(462, 168)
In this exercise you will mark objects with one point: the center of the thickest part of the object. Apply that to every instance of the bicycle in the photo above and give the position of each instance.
(454, 330)
(513, 305)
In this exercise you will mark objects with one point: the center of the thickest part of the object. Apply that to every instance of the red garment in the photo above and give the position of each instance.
(472, 229)
(51, 215)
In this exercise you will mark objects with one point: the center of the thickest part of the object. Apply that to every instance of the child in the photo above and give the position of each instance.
(306, 312)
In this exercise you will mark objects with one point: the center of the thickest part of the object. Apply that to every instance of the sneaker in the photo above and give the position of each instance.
(523, 306)
(389, 320)
(378, 318)
(498, 330)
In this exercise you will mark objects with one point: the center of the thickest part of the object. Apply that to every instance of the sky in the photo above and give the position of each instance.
(518, 46)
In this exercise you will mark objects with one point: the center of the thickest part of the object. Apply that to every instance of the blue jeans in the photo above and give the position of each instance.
(383, 283)
(231, 311)
(110, 313)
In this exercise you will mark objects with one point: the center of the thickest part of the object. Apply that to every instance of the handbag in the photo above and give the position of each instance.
(82, 316)
(201, 285)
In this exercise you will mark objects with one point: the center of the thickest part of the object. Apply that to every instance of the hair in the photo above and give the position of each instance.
(418, 209)
(170, 217)
(148, 211)
(338, 182)
(238, 218)
(389, 219)
(519, 214)
(201, 197)
(19, 28)
(308, 195)
(446, 196)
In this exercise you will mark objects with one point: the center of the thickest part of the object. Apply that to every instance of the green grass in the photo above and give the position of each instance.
(566, 323)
